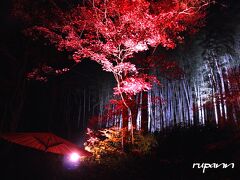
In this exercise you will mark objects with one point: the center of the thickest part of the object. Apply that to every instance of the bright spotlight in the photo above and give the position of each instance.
(72, 161)
(74, 157)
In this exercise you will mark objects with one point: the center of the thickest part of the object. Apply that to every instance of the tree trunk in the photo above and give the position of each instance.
(144, 118)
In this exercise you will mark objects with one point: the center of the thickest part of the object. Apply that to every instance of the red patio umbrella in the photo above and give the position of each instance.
(45, 141)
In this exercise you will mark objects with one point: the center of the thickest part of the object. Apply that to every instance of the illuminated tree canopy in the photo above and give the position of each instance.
(112, 32)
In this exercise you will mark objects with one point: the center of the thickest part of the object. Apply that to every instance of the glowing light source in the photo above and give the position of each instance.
(74, 157)
(72, 161)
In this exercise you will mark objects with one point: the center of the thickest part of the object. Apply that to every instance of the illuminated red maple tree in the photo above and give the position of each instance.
(111, 32)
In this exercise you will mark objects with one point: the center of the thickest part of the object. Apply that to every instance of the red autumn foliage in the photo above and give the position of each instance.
(111, 32)
(43, 72)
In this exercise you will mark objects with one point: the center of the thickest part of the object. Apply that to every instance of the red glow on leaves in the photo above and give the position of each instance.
(43, 71)
(134, 85)
(111, 32)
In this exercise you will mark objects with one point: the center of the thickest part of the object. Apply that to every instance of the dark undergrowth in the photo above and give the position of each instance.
(172, 159)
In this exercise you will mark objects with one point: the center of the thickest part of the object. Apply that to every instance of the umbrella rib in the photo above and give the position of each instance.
(41, 142)
(56, 144)
(44, 141)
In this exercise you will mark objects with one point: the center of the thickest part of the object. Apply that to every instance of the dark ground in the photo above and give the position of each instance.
(172, 160)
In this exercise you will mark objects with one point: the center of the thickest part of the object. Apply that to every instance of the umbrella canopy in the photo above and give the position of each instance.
(45, 141)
